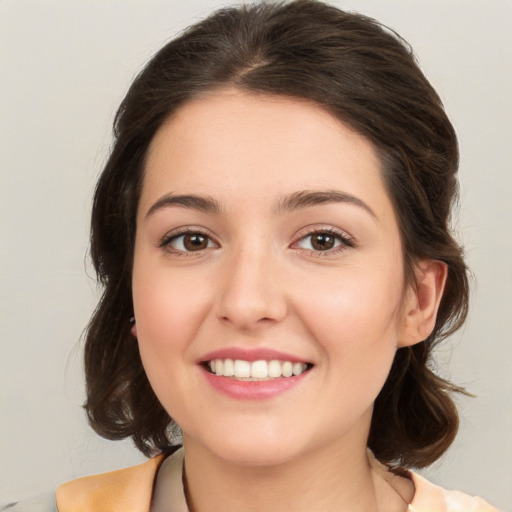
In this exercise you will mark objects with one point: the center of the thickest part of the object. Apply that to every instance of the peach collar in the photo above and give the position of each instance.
(132, 489)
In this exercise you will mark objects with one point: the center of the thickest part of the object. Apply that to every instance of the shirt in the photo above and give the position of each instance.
(131, 490)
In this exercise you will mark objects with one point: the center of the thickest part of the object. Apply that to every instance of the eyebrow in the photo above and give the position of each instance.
(308, 198)
(204, 204)
(292, 202)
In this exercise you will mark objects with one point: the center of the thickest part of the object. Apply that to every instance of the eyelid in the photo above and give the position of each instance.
(164, 242)
(347, 240)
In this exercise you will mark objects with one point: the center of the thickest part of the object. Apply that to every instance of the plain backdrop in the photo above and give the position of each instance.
(64, 68)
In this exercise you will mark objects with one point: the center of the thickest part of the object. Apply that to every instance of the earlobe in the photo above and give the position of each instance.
(133, 328)
(422, 302)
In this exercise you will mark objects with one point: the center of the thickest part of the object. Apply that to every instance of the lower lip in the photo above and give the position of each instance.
(252, 390)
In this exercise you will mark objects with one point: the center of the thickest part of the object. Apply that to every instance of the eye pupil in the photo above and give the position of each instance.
(322, 241)
(195, 242)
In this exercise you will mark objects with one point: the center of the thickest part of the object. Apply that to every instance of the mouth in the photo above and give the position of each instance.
(254, 371)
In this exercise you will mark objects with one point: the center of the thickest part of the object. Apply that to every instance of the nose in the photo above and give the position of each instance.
(252, 293)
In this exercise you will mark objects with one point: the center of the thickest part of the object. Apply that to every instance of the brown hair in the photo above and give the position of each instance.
(366, 76)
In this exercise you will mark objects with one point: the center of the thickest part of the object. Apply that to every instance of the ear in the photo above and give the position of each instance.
(422, 302)
(133, 328)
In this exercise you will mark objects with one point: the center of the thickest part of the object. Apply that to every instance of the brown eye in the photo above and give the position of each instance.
(188, 242)
(322, 241)
(195, 242)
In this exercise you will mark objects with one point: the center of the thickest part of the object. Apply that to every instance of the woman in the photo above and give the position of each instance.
(272, 232)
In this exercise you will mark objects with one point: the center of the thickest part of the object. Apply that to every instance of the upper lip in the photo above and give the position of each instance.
(254, 354)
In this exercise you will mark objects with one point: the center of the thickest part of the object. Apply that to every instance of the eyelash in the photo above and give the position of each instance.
(343, 240)
(166, 241)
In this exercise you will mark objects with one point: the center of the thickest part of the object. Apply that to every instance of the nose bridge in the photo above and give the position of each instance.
(252, 292)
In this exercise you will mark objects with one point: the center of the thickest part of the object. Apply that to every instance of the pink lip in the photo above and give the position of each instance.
(255, 354)
(252, 390)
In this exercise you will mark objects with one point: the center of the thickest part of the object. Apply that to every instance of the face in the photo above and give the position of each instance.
(268, 281)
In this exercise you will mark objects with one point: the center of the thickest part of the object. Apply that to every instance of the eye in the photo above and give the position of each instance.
(191, 241)
(324, 241)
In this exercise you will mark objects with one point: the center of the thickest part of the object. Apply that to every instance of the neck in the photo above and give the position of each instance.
(330, 478)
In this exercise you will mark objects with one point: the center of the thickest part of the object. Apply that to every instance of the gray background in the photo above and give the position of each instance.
(65, 66)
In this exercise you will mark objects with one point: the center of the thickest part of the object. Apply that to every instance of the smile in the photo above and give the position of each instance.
(254, 374)
(261, 370)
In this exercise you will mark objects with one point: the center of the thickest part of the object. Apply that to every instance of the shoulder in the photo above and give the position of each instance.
(429, 497)
(125, 489)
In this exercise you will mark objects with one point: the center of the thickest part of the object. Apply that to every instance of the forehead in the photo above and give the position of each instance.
(231, 144)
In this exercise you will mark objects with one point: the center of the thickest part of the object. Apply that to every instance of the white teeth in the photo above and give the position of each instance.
(256, 370)
(287, 369)
(242, 369)
(274, 369)
(298, 368)
(229, 368)
(259, 369)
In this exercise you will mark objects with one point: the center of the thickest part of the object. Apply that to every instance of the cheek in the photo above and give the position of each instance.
(356, 323)
(358, 305)
(356, 328)
(167, 317)
(168, 306)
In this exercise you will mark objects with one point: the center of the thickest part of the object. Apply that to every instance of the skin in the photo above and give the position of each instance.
(259, 282)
